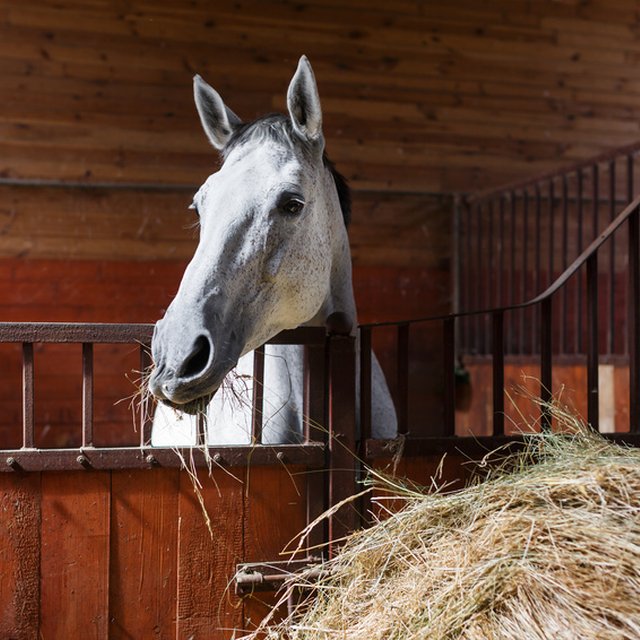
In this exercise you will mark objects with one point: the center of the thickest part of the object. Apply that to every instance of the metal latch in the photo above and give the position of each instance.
(269, 576)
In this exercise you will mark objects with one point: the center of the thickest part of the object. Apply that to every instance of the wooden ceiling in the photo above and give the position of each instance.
(438, 96)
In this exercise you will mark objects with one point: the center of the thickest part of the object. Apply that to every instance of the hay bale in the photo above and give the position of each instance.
(547, 547)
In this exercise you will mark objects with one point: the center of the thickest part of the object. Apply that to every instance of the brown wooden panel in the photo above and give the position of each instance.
(144, 534)
(275, 513)
(75, 555)
(20, 556)
(440, 97)
(143, 224)
(206, 606)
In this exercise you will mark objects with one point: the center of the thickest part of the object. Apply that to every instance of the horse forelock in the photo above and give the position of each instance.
(278, 128)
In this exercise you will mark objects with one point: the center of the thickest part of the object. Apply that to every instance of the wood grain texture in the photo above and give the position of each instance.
(143, 575)
(275, 514)
(436, 97)
(206, 606)
(75, 555)
(143, 224)
(20, 556)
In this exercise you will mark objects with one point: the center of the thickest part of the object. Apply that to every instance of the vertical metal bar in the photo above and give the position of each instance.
(315, 391)
(552, 204)
(403, 378)
(538, 267)
(546, 361)
(497, 345)
(490, 254)
(449, 365)
(28, 421)
(87, 394)
(258, 396)
(480, 290)
(634, 322)
(525, 269)
(501, 273)
(365, 384)
(468, 269)
(611, 324)
(579, 280)
(596, 199)
(564, 325)
(630, 308)
(511, 331)
(146, 403)
(342, 435)
(592, 342)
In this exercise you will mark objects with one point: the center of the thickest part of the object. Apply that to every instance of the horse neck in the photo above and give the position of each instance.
(340, 296)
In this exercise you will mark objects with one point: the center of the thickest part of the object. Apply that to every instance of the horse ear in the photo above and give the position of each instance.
(303, 102)
(218, 121)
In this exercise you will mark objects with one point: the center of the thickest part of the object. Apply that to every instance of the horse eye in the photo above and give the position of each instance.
(292, 206)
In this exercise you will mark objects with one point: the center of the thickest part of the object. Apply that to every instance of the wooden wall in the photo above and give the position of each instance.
(435, 96)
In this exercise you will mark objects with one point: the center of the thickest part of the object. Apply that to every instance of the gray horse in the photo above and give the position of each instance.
(273, 255)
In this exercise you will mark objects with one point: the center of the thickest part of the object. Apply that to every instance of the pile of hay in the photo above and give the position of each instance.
(547, 547)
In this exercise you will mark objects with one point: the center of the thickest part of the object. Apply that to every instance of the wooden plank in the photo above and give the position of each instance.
(275, 514)
(75, 555)
(20, 556)
(144, 547)
(206, 606)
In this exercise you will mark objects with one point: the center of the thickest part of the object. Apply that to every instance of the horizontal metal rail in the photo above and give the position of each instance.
(543, 302)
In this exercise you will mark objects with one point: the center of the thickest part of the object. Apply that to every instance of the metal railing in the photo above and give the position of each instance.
(514, 242)
(586, 264)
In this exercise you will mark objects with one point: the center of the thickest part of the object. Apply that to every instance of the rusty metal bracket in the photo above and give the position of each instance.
(270, 576)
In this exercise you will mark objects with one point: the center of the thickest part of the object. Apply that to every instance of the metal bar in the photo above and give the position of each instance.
(474, 446)
(365, 384)
(578, 308)
(310, 455)
(611, 324)
(146, 402)
(479, 289)
(633, 305)
(564, 325)
(552, 203)
(258, 396)
(403, 378)
(558, 284)
(490, 255)
(546, 361)
(525, 269)
(467, 325)
(501, 270)
(315, 431)
(449, 365)
(87, 394)
(511, 329)
(497, 345)
(592, 342)
(365, 413)
(28, 421)
(538, 266)
(595, 198)
(630, 308)
(342, 436)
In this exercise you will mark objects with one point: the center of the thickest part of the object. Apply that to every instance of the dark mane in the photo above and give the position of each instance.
(278, 128)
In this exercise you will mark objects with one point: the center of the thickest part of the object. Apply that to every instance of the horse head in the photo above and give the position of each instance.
(273, 251)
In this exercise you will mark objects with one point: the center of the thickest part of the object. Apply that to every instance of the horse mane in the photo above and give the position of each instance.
(278, 128)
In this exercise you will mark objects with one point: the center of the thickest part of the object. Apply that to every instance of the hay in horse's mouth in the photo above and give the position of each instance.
(193, 407)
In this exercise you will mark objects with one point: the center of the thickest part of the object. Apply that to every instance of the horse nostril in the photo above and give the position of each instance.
(197, 362)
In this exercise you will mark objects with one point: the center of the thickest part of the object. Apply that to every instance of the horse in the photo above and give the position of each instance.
(273, 254)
